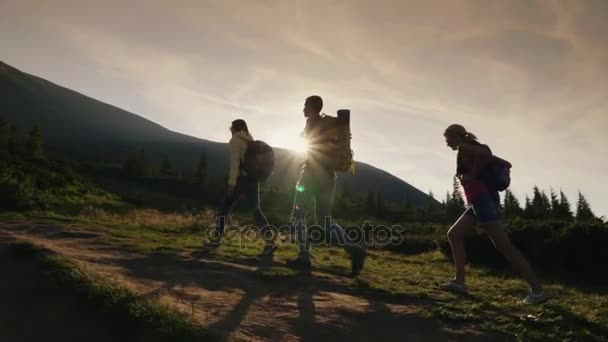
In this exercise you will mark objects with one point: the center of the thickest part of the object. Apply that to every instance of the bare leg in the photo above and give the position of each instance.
(456, 236)
(504, 245)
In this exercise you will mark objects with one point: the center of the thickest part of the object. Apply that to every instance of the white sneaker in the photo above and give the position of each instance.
(453, 286)
(211, 244)
(535, 298)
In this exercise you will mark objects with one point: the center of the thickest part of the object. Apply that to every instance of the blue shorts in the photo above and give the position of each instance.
(485, 208)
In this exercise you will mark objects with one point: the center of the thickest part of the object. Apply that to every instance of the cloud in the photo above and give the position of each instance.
(530, 77)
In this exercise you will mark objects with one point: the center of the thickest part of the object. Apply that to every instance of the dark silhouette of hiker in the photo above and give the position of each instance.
(241, 186)
(316, 185)
(473, 169)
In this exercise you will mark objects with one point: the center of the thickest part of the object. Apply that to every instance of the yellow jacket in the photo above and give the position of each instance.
(238, 146)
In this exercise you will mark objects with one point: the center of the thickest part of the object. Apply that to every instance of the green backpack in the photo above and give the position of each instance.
(336, 153)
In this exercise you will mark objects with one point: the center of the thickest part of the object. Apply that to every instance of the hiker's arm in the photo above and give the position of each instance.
(480, 157)
(235, 163)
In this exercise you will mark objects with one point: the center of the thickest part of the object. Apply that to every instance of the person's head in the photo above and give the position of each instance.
(456, 134)
(313, 105)
(238, 125)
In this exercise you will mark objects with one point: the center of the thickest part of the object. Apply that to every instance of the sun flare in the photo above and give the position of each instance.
(291, 141)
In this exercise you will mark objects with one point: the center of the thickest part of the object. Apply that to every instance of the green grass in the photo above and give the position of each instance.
(494, 300)
(493, 305)
(51, 185)
(141, 318)
(276, 273)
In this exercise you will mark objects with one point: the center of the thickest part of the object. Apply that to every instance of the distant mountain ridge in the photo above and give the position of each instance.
(91, 129)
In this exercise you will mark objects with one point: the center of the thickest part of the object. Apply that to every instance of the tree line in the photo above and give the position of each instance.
(137, 167)
(540, 206)
(16, 144)
(554, 206)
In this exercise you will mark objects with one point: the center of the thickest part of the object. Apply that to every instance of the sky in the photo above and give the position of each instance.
(529, 78)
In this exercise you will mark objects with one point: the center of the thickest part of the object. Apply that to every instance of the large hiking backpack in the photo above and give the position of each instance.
(259, 160)
(499, 171)
(336, 153)
(496, 174)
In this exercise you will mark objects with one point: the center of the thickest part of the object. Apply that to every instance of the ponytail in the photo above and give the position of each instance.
(461, 132)
(470, 137)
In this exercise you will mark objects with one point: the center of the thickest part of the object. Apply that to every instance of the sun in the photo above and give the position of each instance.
(290, 139)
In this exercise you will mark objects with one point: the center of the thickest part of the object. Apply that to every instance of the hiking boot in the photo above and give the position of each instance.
(535, 298)
(453, 287)
(357, 260)
(269, 249)
(299, 263)
(211, 244)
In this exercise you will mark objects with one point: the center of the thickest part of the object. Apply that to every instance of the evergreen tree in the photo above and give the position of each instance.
(4, 135)
(34, 145)
(380, 206)
(512, 208)
(537, 203)
(359, 206)
(565, 209)
(201, 169)
(454, 203)
(135, 165)
(13, 142)
(430, 201)
(370, 203)
(430, 209)
(409, 211)
(583, 210)
(541, 206)
(457, 198)
(347, 201)
(346, 195)
(341, 203)
(458, 202)
(545, 207)
(407, 201)
(528, 210)
(166, 169)
(555, 206)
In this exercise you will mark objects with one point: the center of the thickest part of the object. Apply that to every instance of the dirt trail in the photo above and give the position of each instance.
(231, 300)
(30, 310)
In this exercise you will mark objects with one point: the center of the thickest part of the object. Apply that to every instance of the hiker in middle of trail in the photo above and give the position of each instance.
(317, 182)
(250, 162)
(482, 176)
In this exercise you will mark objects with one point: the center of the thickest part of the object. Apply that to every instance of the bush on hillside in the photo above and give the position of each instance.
(552, 246)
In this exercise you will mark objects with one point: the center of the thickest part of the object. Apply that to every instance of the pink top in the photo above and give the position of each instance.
(472, 188)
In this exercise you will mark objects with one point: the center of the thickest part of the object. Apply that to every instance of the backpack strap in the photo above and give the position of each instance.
(459, 161)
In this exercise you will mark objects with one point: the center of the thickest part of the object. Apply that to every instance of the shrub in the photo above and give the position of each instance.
(554, 246)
